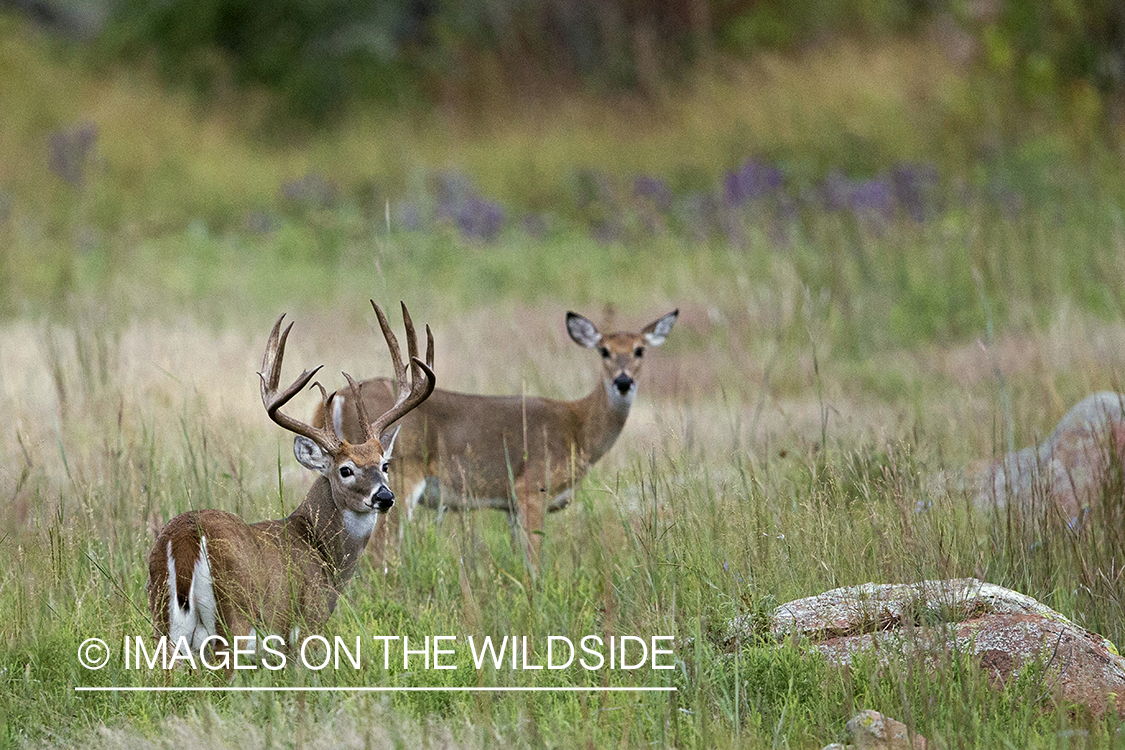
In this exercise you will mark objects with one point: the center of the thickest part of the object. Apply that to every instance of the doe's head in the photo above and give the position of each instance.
(622, 353)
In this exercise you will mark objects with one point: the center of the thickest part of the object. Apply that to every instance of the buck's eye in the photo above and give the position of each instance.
(605, 353)
(346, 471)
(385, 467)
(639, 351)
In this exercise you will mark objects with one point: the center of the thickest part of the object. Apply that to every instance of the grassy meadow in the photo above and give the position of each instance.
(839, 347)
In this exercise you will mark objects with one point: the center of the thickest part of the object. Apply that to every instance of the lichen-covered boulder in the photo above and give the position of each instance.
(931, 620)
(871, 730)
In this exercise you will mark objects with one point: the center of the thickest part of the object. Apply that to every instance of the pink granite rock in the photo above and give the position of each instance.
(930, 621)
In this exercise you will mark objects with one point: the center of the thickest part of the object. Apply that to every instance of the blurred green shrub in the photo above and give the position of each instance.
(316, 53)
(321, 54)
(1048, 43)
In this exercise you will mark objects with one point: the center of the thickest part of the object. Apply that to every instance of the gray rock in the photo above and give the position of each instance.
(871, 730)
(1070, 466)
(931, 621)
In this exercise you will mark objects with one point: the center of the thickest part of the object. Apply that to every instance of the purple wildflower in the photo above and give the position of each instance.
(459, 202)
(875, 196)
(835, 191)
(752, 181)
(71, 150)
(605, 232)
(258, 222)
(653, 189)
(451, 187)
(913, 187)
(310, 191)
(478, 218)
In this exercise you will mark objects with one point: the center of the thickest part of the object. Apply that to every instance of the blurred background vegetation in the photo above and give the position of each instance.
(322, 56)
(839, 141)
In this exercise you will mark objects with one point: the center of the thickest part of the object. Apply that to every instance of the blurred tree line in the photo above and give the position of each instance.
(322, 54)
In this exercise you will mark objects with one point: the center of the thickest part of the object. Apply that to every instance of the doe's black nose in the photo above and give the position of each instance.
(384, 498)
(623, 383)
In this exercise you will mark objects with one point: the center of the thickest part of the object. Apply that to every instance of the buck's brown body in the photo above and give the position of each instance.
(519, 454)
(312, 550)
(213, 574)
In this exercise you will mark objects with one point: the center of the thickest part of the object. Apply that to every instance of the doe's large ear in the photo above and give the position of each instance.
(310, 455)
(582, 331)
(658, 330)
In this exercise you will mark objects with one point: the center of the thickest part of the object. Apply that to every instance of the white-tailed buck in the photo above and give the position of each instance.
(211, 573)
(521, 455)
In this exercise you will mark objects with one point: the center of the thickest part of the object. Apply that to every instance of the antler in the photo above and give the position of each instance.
(325, 436)
(422, 377)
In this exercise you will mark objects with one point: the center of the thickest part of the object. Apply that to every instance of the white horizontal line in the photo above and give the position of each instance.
(399, 689)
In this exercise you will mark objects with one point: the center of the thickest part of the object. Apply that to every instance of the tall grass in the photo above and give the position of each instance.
(680, 531)
(824, 370)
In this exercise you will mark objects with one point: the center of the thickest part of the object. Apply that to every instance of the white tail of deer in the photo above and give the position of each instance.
(521, 455)
(211, 573)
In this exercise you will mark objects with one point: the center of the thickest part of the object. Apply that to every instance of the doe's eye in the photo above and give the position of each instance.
(605, 353)
(639, 351)
(385, 467)
(346, 471)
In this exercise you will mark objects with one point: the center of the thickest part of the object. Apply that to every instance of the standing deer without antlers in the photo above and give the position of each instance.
(521, 455)
(213, 574)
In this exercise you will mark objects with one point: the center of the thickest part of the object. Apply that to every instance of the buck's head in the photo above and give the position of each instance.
(357, 473)
(622, 353)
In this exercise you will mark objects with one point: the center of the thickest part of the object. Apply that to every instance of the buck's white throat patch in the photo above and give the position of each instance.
(360, 524)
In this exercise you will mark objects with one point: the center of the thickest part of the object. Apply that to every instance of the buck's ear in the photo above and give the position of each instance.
(582, 331)
(336, 412)
(658, 330)
(387, 440)
(310, 455)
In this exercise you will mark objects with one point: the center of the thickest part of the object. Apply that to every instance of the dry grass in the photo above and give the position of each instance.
(61, 384)
(364, 723)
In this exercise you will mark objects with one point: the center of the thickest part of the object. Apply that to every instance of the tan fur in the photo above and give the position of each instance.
(520, 455)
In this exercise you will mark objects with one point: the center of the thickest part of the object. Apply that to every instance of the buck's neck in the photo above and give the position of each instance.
(603, 414)
(338, 536)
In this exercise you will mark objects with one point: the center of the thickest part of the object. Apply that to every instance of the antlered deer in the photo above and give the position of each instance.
(211, 573)
(521, 455)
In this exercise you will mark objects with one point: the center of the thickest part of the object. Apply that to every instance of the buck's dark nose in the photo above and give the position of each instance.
(384, 499)
(623, 383)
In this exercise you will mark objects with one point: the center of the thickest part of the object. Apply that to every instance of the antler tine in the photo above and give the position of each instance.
(422, 377)
(419, 392)
(273, 400)
(392, 344)
(271, 361)
(411, 339)
(361, 407)
(429, 347)
(324, 397)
